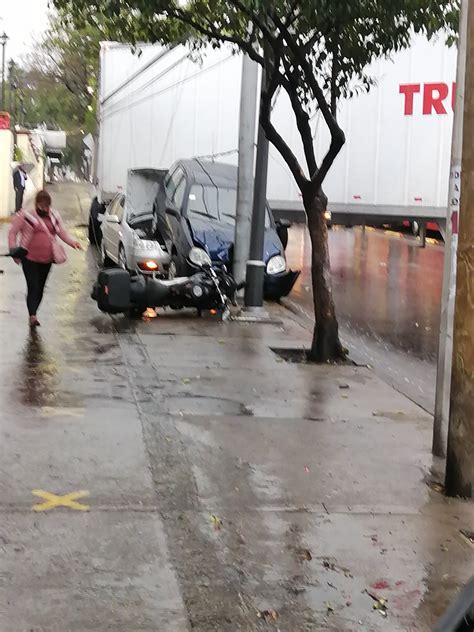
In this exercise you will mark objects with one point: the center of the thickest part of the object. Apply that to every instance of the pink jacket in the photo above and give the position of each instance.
(27, 224)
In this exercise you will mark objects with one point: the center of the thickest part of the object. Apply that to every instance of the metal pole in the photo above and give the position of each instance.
(459, 461)
(248, 116)
(256, 264)
(445, 346)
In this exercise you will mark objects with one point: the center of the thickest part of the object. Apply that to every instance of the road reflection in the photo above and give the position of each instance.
(385, 286)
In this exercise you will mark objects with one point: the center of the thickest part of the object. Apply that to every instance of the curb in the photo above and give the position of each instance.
(298, 311)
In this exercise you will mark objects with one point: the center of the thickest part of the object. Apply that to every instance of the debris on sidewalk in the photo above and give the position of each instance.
(303, 555)
(268, 615)
(331, 565)
(217, 522)
(380, 603)
(437, 487)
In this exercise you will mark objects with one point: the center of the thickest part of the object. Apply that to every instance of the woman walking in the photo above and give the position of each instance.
(37, 232)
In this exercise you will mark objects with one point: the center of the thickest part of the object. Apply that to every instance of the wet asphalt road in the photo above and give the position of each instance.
(387, 291)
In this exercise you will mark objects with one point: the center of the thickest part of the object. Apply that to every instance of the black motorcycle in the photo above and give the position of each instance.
(209, 288)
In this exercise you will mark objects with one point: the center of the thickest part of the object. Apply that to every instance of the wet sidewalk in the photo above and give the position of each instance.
(227, 489)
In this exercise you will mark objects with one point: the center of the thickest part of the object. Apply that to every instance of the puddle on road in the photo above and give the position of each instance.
(39, 379)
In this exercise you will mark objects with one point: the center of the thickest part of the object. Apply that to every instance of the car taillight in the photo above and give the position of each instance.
(148, 266)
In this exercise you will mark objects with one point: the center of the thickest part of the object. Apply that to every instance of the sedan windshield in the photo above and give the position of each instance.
(215, 204)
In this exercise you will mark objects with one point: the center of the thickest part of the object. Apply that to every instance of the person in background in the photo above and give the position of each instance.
(19, 184)
(37, 232)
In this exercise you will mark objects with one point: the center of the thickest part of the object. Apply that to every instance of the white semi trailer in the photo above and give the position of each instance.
(167, 104)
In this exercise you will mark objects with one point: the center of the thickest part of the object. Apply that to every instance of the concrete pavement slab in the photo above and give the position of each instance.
(105, 570)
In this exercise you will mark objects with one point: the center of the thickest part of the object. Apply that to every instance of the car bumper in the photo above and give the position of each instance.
(277, 286)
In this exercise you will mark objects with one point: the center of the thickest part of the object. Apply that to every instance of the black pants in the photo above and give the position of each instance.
(36, 275)
(19, 199)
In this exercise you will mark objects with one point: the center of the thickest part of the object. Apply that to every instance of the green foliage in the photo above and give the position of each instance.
(18, 154)
(56, 84)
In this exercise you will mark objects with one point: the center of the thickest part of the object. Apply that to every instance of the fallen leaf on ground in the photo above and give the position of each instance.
(329, 606)
(437, 487)
(186, 380)
(304, 555)
(217, 522)
(267, 615)
(380, 603)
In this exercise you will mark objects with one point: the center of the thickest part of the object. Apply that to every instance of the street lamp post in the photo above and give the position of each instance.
(3, 42)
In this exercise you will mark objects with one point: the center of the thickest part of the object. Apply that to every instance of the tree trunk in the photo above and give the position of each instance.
(326, 346)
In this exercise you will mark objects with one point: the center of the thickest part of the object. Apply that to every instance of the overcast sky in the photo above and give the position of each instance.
(23, 21)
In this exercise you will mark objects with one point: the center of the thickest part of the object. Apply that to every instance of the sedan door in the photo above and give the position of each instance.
(113, 227)
(106, 226)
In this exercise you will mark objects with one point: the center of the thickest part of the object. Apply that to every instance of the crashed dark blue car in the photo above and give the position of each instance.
(196, 215)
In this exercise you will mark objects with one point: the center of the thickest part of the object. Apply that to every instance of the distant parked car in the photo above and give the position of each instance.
(199, 207)
(130, 237)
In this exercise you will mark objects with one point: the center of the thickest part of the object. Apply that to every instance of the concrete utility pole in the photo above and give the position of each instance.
(256, 264)
(248, 116)
(445, 345)
(460, 454)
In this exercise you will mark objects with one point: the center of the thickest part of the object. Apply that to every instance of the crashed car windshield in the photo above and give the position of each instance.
(216, 204)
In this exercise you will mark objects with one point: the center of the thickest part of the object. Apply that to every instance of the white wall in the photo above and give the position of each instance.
(7, 205)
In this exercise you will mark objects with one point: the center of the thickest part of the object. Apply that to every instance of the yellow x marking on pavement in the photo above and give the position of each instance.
(53, 500)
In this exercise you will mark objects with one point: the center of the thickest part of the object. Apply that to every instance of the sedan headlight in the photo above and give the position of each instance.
(276, 265)
(199, 257)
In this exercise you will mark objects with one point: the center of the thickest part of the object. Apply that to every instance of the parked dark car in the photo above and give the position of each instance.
(197, 208)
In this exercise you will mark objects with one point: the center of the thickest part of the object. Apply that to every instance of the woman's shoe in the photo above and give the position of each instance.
(34, 322)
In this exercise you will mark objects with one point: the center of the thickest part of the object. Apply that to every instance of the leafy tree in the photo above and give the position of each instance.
(317, 51)
(56, 84)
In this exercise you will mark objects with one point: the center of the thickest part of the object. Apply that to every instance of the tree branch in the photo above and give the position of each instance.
(275, 138)
(302, 120)
(212, 33)
(253, 17)
(337, 135)
(318, 178)
(334, 86)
